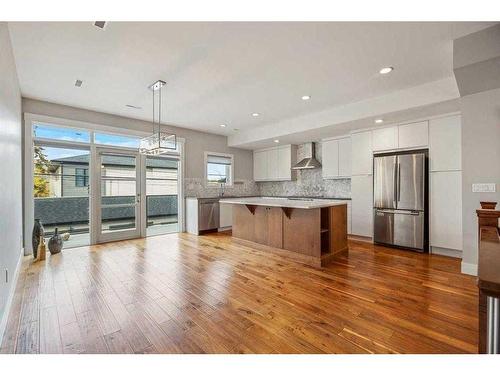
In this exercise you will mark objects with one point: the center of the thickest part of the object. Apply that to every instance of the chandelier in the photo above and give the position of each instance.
(159, 142)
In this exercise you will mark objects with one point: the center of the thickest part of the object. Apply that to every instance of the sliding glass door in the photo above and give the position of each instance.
(118, 195)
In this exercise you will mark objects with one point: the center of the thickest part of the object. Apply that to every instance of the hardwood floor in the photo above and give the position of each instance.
(181, 293)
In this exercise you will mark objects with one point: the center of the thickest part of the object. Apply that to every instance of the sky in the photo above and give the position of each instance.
(64, 134)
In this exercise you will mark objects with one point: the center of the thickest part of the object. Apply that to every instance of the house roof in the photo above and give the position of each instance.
(119, 161)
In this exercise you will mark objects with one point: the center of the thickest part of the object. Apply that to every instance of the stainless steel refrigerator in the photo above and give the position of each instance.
(400, 199)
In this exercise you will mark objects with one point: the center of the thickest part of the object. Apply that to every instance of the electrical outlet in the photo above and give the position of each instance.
(483, 188)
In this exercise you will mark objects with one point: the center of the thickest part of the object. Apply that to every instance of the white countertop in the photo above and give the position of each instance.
(283, 202)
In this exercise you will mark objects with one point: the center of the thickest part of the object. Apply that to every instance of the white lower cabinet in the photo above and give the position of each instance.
(446, 209)
(362, 205)
(225, 215)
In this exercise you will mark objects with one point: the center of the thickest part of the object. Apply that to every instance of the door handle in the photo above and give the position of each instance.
(395, 183)
(399, 182)
(138, 200)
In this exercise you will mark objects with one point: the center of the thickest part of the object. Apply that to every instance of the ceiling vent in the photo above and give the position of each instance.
(100, 24)
(78, 83)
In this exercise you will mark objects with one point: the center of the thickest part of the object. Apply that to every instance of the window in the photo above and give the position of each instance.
(117, 140)
(61, 134)
(219, 168)
(81, 177)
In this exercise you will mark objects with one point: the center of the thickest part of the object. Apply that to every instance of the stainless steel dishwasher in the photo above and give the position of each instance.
(208, 214)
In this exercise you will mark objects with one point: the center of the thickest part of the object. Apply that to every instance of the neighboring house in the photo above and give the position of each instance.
(161, 176)
(69, 190)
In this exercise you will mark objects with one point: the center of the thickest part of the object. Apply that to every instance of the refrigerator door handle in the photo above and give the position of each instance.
(398, 189)
(399, 212)
(395, 182)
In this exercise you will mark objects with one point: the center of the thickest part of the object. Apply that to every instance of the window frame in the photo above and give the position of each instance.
(231, 170)
(30, 141)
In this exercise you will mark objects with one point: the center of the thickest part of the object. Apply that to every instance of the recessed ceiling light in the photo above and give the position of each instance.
(255, 114)
(132, 106)
(222, 125)
(386, 70)
(306, 97)
(276, 141)
(78, 83)
(379, 121)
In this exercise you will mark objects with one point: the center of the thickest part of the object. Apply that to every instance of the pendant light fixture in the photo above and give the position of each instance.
(159, 142)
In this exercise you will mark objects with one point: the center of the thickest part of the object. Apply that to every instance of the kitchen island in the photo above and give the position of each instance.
(311, 231)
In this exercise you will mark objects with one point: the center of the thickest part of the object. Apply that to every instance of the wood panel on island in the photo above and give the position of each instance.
(310, 232)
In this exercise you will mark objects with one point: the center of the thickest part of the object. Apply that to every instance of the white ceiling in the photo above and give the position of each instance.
(220, 73)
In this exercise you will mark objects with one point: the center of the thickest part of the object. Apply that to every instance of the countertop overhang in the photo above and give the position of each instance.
(283, 202)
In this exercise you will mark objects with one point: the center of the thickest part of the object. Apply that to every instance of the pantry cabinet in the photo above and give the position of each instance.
(362, 205)
(361, 153)
(445, 144)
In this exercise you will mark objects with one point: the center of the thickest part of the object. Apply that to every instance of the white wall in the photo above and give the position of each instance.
(10, 170)
(480, 163)
(196, 142)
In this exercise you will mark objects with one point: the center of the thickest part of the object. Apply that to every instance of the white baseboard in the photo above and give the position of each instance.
(446, 252)
(469, 268)
(8, 305)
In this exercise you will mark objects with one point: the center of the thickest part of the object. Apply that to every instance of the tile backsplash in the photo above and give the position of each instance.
(195, 187)
(308, 183)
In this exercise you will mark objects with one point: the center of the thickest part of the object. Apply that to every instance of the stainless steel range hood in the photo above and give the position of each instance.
(308, 162)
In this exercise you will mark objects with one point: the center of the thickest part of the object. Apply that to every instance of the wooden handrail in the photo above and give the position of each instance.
(488, 266)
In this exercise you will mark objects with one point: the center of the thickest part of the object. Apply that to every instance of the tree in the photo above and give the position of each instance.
(41, 187)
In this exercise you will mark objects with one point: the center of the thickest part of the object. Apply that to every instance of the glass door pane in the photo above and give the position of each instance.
(162, 198)
(119, 195)
(61, 181)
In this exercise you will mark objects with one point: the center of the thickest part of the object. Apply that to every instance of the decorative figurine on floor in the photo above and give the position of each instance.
(55, 243)
(42, 249)
(35, 238)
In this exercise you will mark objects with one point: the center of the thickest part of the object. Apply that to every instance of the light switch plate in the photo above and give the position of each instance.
(483, 188)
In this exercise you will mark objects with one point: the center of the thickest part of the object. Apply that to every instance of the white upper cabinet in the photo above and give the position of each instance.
(336, 158)
(385, 139)
(413, 135)
(345, 157)
(286, 159)
(274, 164)
(260, 165)
(445, 144)
(361, 153)
(330, 158)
